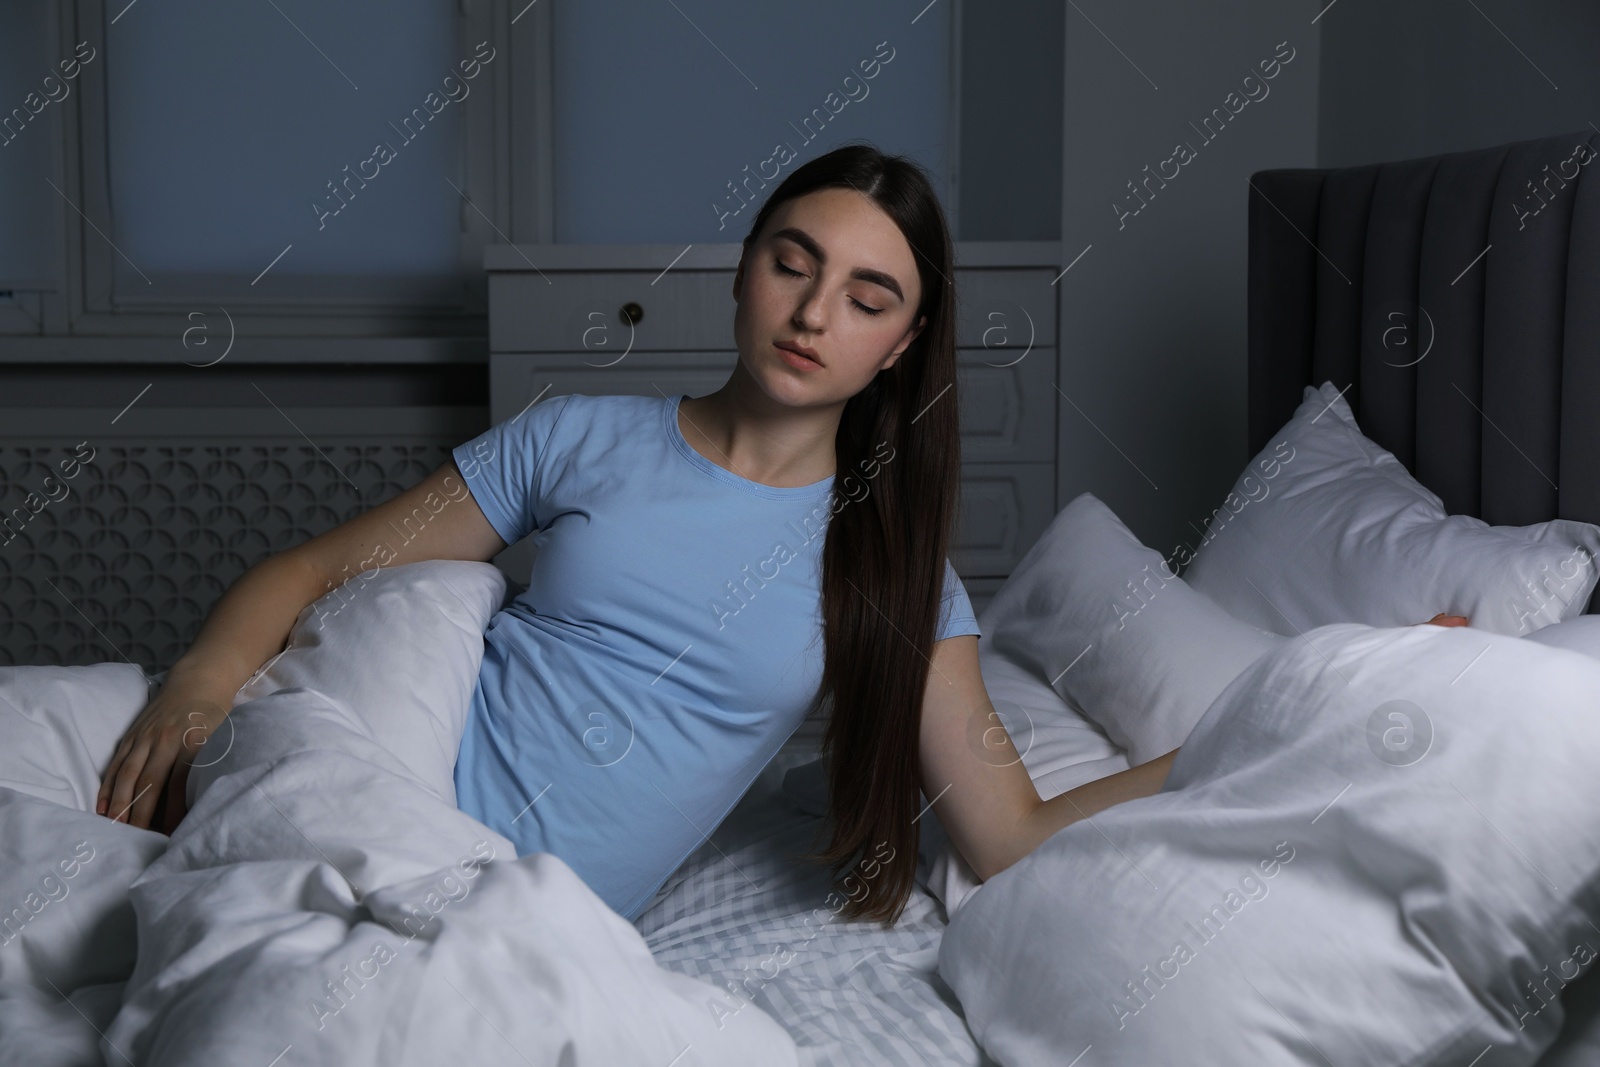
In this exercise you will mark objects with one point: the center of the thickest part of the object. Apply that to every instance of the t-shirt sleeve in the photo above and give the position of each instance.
(504, 467)
(955, 611)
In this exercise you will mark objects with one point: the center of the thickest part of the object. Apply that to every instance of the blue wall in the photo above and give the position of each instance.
(659, 107)
(1153, 315)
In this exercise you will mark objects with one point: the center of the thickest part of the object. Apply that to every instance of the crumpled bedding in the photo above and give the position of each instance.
(321, 903)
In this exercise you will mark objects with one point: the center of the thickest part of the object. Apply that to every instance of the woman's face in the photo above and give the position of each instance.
(830, 272)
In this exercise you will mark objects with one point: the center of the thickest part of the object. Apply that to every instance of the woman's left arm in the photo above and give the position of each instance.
(975, 777)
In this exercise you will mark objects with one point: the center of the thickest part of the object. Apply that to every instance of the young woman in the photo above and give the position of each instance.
(711, 569)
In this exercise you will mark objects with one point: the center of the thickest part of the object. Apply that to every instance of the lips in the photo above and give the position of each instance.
(799, 350)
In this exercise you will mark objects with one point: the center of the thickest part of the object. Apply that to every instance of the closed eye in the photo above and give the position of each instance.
(783, 269)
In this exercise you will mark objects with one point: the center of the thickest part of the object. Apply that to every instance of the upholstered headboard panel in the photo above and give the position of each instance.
(1458, 297)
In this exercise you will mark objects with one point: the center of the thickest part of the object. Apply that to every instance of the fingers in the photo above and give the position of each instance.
(1448, 620)
(153, 779)
(102, 803)
(127, 783)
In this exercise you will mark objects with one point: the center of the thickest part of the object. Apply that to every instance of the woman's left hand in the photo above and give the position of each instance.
(1446, 620)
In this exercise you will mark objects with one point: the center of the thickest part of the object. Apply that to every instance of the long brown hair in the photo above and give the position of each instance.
(884, 555)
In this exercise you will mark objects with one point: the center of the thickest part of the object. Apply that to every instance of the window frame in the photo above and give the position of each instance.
(78, 316)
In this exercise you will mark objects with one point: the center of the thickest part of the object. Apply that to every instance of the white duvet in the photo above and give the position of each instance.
(324, 902)
(1378, 846)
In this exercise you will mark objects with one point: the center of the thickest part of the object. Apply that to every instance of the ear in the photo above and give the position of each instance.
(905, 343)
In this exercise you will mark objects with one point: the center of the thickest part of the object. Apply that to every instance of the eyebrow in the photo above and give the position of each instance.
(866, 274)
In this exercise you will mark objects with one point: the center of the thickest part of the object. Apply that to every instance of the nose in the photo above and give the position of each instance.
(811, 314)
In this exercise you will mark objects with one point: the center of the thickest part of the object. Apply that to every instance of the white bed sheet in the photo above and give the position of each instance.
(736, 913)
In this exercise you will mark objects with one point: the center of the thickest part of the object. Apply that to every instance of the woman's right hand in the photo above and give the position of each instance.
(152, 760)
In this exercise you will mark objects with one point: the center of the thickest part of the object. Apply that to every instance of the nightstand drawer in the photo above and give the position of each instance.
(1004, 509)
(1008, 412)
(581, 311)
(1005, 309)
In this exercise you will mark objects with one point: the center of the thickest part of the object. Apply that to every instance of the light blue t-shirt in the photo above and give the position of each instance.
(669, 641)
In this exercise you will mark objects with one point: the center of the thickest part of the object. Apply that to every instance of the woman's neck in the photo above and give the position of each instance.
(741, 429)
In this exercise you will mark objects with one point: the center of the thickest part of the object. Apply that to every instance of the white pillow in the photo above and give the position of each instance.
(1108, 625)
(1324, 526)
(59, 727)
(400, 649)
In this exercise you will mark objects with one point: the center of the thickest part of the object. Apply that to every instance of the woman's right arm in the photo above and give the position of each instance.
(251, 623)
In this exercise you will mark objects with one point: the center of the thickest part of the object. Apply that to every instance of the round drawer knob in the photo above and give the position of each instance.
(630, 313)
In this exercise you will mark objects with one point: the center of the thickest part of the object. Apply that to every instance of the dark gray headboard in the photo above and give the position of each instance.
(1479, 371)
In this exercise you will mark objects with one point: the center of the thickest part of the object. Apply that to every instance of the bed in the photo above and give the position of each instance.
(324, 902)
